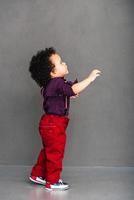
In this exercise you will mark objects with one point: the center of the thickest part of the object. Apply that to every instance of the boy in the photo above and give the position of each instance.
(49, 71)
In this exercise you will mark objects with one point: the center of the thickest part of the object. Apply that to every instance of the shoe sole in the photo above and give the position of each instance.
(42, 183)
(57, 189)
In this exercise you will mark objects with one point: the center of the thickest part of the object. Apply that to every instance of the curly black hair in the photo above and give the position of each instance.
(41, 66)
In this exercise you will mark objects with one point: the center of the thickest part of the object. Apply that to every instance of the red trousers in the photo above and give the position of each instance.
(52, 129)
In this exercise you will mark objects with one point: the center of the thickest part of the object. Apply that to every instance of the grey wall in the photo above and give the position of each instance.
(87, 34)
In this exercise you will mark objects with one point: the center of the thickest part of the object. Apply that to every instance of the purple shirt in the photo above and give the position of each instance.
(57, 96)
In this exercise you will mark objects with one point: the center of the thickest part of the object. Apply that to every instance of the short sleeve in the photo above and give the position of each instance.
(72, 82)
(65, 87)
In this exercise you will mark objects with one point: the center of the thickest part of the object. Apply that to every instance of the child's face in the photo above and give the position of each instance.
(60, 69)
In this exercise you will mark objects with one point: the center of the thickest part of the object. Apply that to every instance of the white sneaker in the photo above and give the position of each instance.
(38, 179)
(60, 185)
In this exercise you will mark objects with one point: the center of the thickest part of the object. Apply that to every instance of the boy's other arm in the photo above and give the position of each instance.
(78, 87)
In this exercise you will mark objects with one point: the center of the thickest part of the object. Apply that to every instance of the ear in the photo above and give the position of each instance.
(52, 73)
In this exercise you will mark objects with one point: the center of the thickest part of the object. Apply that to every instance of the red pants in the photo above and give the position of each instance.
(52, 129)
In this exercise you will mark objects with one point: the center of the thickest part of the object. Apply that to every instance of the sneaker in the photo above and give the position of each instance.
(38, 179)
(60, 185)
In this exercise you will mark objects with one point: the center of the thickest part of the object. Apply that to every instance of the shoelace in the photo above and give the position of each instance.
(60, 181)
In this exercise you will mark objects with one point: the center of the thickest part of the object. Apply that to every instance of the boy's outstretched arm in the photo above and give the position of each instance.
(80, 86)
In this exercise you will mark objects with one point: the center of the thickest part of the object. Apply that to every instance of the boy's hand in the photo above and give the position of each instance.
(94, 73)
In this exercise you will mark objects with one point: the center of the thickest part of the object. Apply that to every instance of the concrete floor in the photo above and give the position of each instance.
(87, 183)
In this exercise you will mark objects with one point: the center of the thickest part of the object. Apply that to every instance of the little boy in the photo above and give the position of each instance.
(49, 71)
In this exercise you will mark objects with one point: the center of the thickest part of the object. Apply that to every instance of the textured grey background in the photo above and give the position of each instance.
(86, 34)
